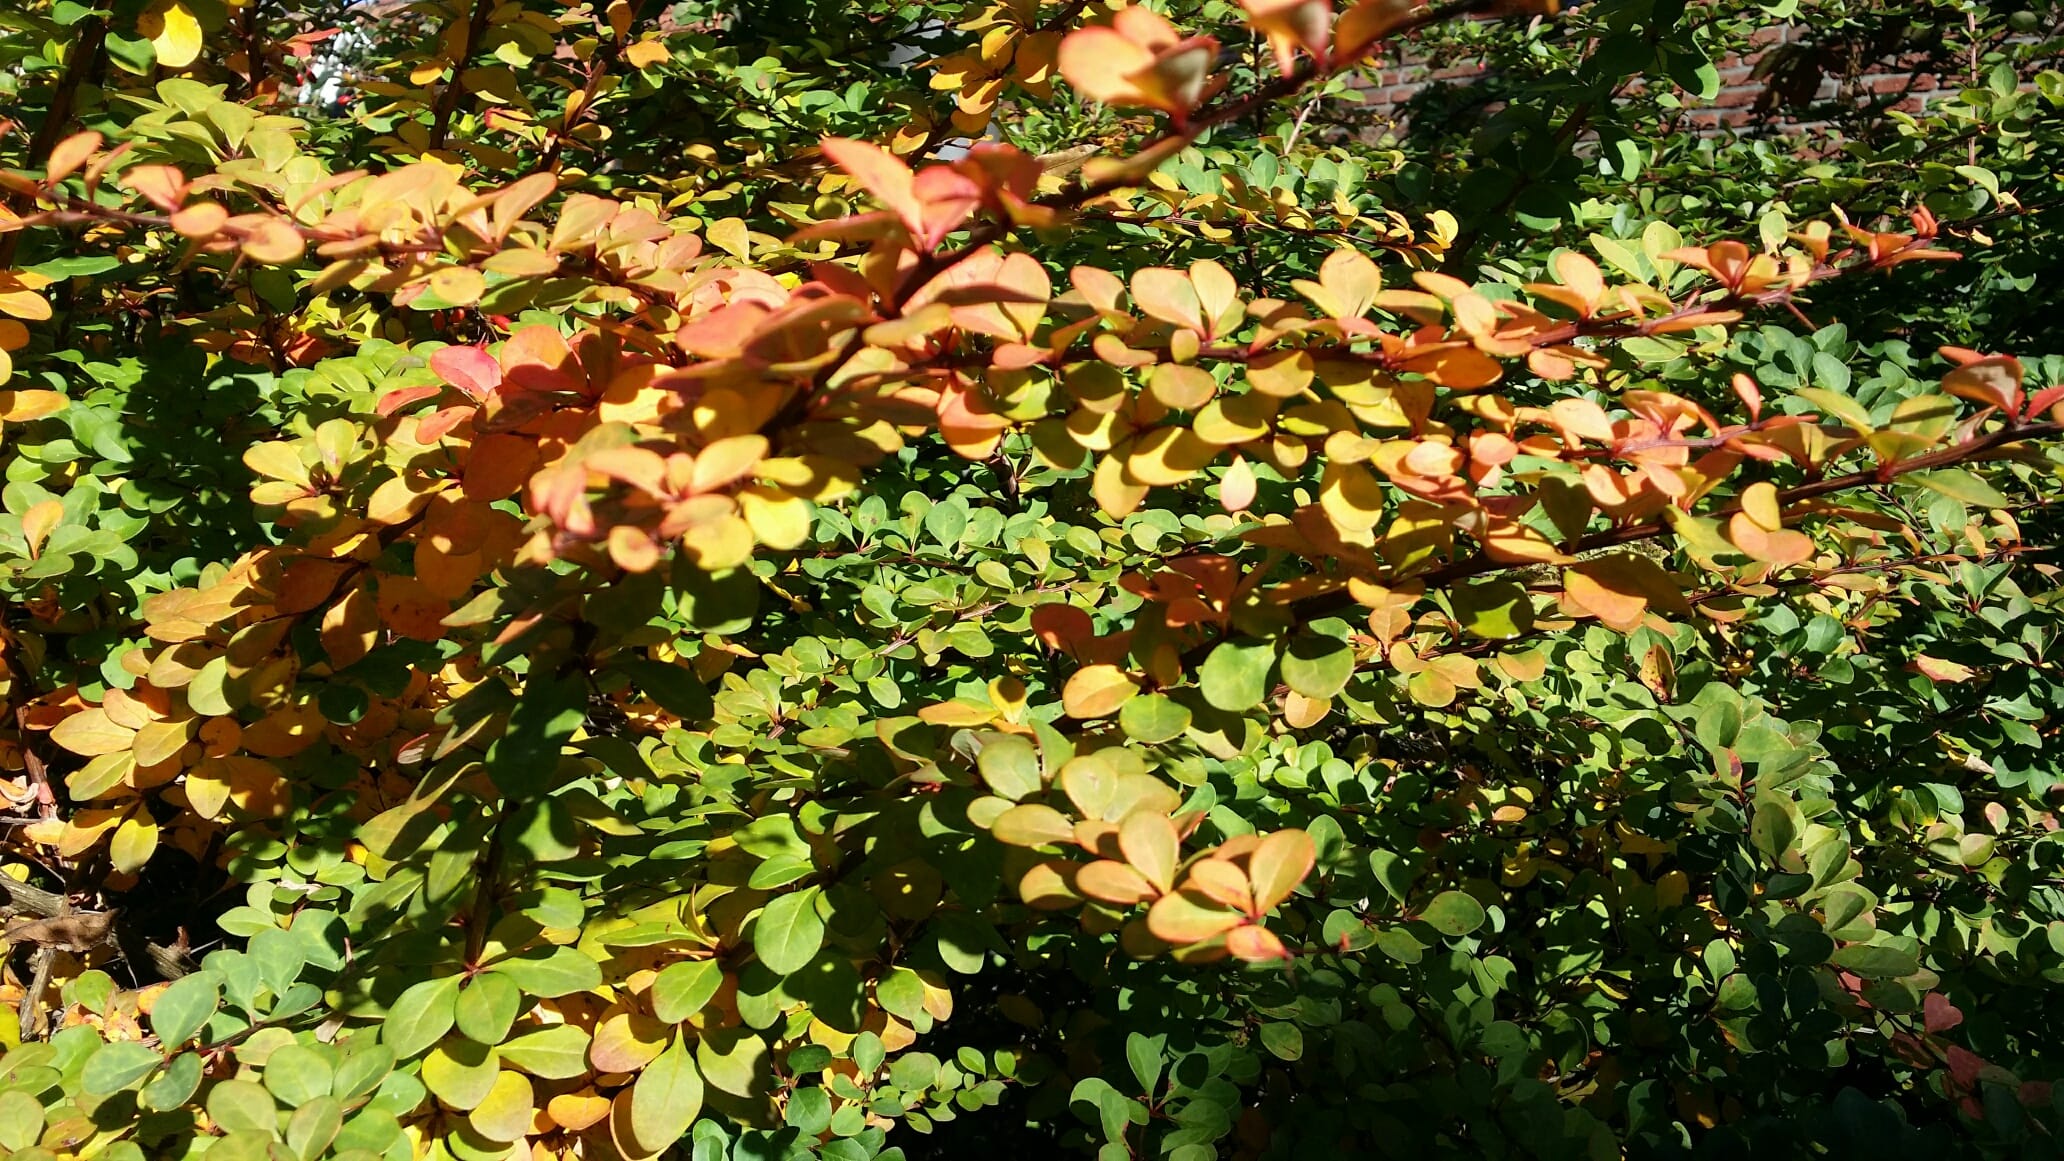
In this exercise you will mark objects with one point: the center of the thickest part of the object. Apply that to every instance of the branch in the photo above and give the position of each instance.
(83, 61)
(1480, 564)
(448, 97)
(1184, 132)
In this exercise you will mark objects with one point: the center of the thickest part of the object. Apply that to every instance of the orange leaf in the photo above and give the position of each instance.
(1255, 944)
(1994, 381)
(878, 171)
(1619, 589)
(1168, 295)
(1368, 22)
(71, 153)
(1221, 880)
(1032, 824)
(1113, 882)
(1187, 917)
(1279, 863)
(1150, 844)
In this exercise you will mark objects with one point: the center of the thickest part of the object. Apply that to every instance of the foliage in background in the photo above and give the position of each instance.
(859, 579)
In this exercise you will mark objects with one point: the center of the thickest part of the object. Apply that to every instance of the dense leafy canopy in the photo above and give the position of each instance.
(866, 579)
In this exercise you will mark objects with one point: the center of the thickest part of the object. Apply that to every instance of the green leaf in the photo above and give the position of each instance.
(175, 1085)
(675, 688)
(946, 521)
(297, 1074)
(809, 1111)
(60, 268)
(1153, 718)
(313, 1126)
(780, 871)
(1847, 911)
(901, 993)
(525, 759)
(1842, 407)
(184, 1006)
(1235, 677)
(460, 1072)
(242, 1105)
(770, 836)
(544, 830)
(1453, 913)
(488, 1006)
(362, 1070)
(558, 1052)
(421, 1016)
(1503, 1038)
(665, 1100)
(560, 971)
(1876, 962)
(1284, 1040)
(1145, 1054)
(1317, 667)
(1495, 610)
(681, 990)
(1398, 944)
(118, 1065)
(1962, 486)
(1009, 763)
(1776, 825)
(789, 931)
(21, 1119)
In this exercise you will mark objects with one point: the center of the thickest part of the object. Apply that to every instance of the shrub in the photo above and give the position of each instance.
(869, 579)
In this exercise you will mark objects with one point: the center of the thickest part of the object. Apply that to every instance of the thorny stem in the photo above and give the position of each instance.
(931, 266)
(1481, 563)
(81, 62)
(448, 97)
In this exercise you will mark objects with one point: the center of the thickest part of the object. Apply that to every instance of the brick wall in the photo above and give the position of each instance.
(1800, 86)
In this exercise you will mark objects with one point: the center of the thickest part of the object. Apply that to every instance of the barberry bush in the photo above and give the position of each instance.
(850, 580)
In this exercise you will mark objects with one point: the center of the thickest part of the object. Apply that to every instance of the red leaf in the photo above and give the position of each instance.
(1941, 1015)
(401, 397)
(1964, 1066)
(470, 369)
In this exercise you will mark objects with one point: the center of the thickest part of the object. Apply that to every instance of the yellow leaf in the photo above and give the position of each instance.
(647, 53)
(458, 285)
(173, 31)
(90, 734)
(731, 236)
(1096, 691)
(719, 544)
(1032, 825)
(1759, 503)
(38, 522)
(723, 462)
(1237, 487)
(779, 521)
(1188, 916)
(1167, 456)
(133, 843)
(22, 406)
(1352, 497)
(1618, 590)
(507, 1111)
